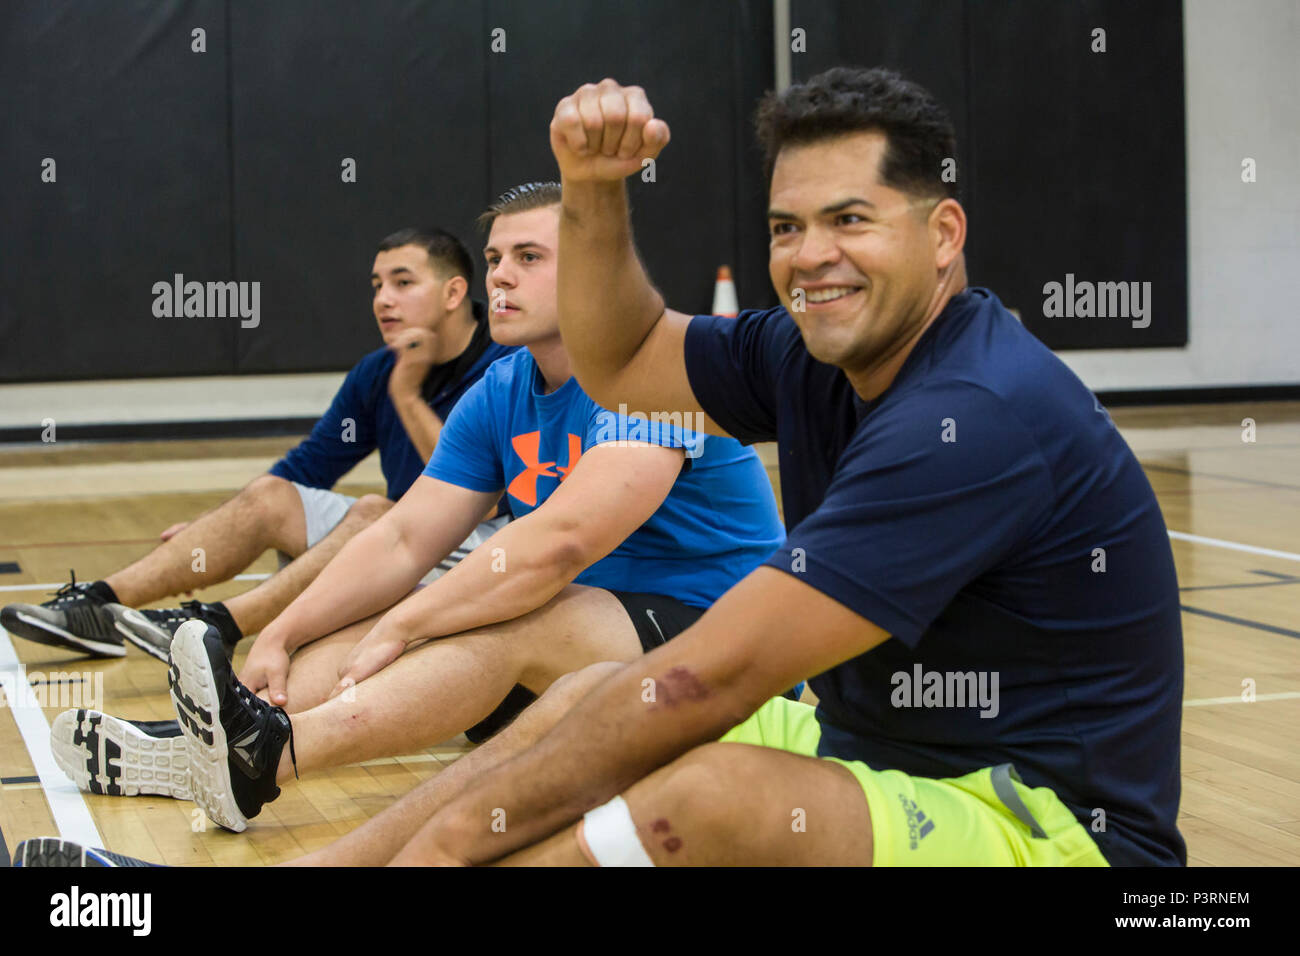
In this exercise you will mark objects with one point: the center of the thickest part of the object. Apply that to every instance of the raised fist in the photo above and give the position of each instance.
(603, 132)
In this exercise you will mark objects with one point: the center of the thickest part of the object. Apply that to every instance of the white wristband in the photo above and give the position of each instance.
(611, 837)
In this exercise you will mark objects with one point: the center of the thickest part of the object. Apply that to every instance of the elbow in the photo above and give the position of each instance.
(564, 557)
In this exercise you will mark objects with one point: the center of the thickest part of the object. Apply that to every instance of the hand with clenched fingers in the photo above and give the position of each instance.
(603, 131)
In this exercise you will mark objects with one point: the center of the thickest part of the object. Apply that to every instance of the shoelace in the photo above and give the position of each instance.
(254, 704)
(193, 608)
(70, 591)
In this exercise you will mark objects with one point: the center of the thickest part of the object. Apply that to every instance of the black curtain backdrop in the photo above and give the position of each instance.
(226, 165)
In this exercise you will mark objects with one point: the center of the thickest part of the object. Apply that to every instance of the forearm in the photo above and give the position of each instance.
(422, 424)
(348, 588)
(611, 739)
(599, 277)
(519, 569)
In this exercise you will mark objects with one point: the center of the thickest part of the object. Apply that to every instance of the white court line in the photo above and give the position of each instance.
(1176, 535)
(1207, 701)
(69, 810)
(58, 584)
(1234, 546)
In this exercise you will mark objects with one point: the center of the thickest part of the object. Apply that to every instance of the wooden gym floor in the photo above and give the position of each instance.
(94, 507)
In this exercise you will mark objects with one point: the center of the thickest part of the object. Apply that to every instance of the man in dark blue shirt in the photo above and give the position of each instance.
(977, 578)
(436, 345)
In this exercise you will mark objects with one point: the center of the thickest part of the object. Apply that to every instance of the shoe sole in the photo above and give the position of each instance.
(102, 754)
(53, 852)
(198, 708)
(42, 632)
(140, 631)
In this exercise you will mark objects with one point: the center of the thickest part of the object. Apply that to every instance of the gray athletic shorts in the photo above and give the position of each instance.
(325, 509)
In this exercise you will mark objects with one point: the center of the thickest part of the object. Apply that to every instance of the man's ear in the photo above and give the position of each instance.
(454, 291)
(947, 232)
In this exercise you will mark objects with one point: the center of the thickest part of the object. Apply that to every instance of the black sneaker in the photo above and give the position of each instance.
(76, 618)
(51, 851)
(121, 758)
(152, 629)
(235, 738)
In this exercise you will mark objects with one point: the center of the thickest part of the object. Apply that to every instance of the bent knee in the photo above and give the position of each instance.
(369, 507)
(272, 496)
(269, 488)
(578, 683)
(701, 785)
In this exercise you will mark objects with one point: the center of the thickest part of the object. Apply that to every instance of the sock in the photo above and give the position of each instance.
(217, 615)
(105, 593)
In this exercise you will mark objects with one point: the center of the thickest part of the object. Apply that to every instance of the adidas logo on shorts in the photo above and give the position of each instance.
(918, 824)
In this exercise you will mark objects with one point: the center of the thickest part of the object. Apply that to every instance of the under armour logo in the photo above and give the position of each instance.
(528, 448)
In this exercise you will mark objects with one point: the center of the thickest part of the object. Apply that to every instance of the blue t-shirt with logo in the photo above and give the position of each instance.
(717, 524)
(986, 513)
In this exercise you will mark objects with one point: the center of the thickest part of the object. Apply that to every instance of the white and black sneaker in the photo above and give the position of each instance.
(235, 738)
(152, 629)
(51, 851)
(121, 758)
(76, 618)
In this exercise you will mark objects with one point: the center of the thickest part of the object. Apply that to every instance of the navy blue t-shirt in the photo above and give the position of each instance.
(333, 448)
(986, 513)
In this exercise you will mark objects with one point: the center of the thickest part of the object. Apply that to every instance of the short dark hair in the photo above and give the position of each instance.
(918, 132)
(520, 198)
(448, 255)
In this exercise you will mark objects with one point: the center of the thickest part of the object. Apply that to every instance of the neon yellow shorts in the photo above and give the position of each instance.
(985, 818)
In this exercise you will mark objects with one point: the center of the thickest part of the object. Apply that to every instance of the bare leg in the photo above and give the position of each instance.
(254, 609)
(313, 670)
(437, 690)
(267, 513)
(379, 839)
(735, 805)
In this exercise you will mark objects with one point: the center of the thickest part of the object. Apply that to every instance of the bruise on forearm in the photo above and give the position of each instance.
(678, 686)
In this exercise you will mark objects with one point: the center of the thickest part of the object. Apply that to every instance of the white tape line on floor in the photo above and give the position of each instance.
(71, 815)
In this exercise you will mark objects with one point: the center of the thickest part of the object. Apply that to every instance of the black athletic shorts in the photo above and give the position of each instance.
(657, 620)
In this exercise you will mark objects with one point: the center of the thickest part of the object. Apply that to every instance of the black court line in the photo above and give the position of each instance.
(67, 680)
(1205, 474)
(1199, 395)
(1254, 584)
(1281, 579)
(1244, 622)
(8, 780)
(155, 431)
(1277, 574)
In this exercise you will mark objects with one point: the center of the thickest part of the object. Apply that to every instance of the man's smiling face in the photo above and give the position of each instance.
(861, 252)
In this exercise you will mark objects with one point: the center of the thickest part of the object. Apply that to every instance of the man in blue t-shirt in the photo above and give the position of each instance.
(977, 578)
(626, 528)
(436, 345)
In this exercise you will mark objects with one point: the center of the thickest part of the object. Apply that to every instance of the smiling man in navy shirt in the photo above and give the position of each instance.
(977, 578)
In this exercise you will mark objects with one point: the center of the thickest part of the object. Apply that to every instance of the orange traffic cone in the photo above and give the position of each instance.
(724, 294)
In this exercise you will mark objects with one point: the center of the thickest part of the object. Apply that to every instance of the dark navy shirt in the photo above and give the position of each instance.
(986, 513)
(335, 445)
